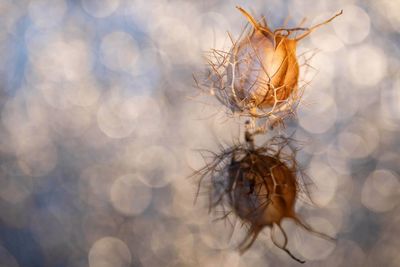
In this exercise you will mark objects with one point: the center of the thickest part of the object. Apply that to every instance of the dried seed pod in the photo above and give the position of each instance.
(264, 70)
(258, 185)
(264, 192)
(258, 77)
(261, 71)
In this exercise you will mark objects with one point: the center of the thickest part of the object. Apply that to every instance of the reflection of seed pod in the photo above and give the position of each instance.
(264, 191)
(258, 186)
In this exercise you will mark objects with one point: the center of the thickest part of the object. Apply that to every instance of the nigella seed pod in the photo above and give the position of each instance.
(264, 192)
(261, 71)
(265, 69)
(258, 185)
(258, 78)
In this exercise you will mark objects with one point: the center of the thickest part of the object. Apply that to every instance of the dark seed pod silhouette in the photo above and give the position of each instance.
(264, 192)
(258, 185)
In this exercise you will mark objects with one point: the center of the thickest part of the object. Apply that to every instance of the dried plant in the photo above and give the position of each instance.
(260, 185)
(258, 78)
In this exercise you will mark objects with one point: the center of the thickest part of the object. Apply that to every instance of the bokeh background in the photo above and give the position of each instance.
(100, 121)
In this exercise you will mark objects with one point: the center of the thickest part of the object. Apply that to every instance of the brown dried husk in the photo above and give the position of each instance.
(260, 186)
(259, 75)
(264, 191)
(266, 68)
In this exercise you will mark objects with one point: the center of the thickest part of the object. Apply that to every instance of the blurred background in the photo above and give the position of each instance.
(100, 121)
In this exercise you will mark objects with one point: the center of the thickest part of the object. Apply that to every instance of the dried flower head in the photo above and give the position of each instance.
(259, 75)
(258, 185)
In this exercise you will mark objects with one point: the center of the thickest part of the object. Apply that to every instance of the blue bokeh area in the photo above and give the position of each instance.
(100, 120)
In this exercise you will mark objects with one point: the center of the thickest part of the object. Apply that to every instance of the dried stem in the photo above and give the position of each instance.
(310, 30)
